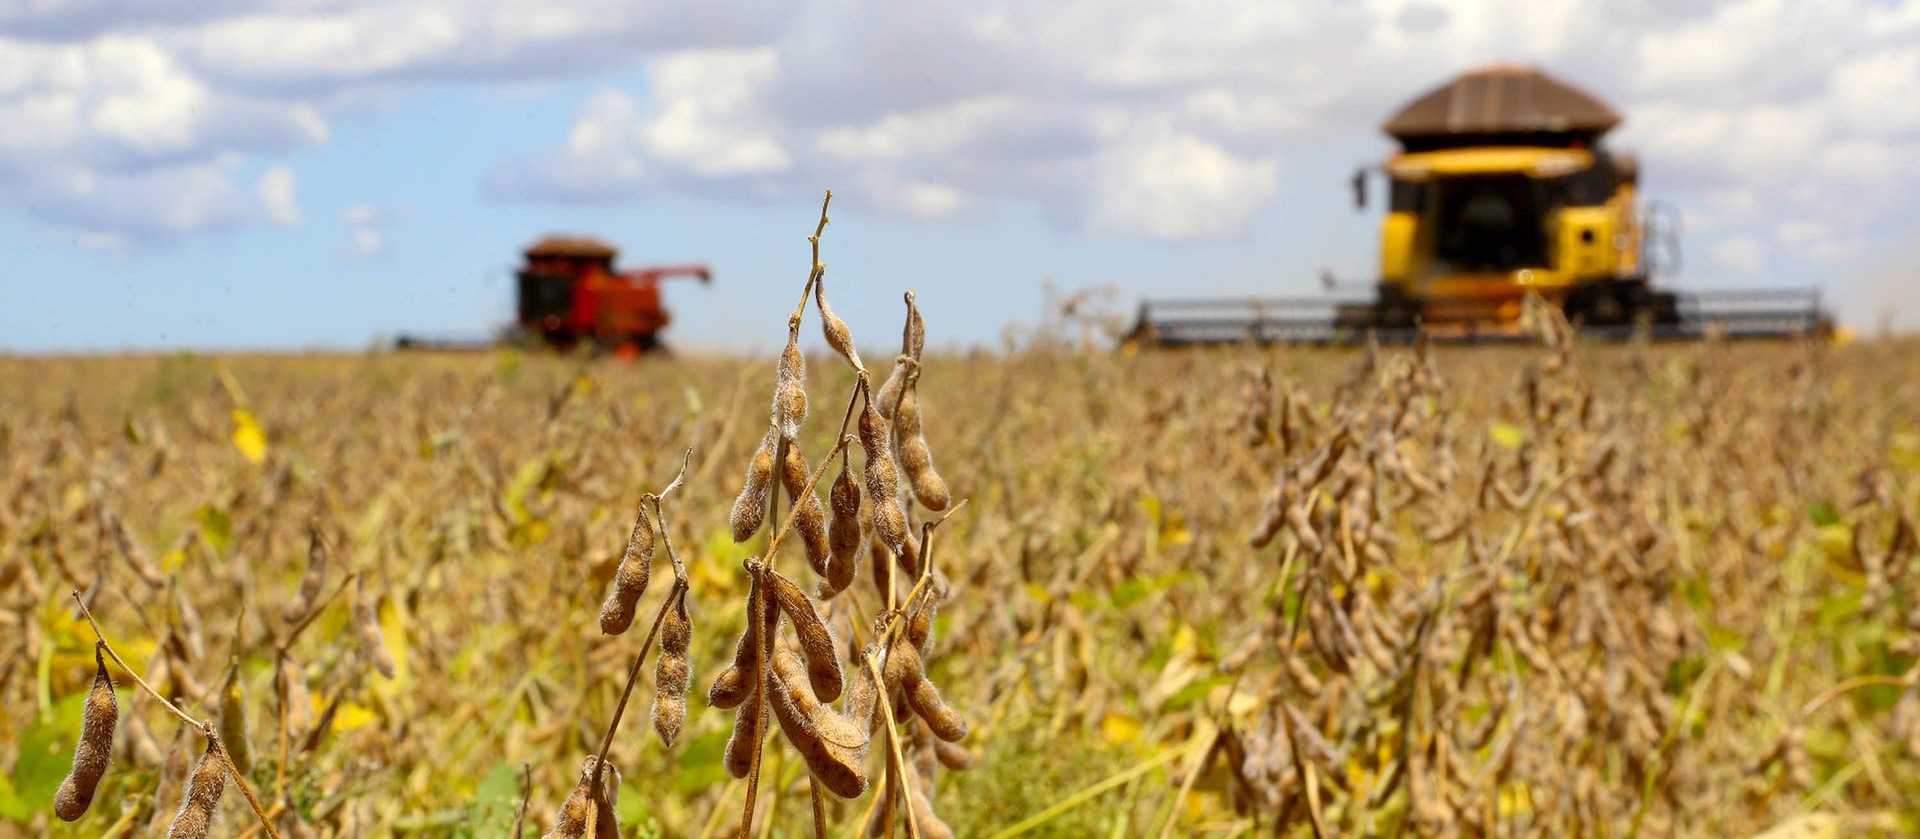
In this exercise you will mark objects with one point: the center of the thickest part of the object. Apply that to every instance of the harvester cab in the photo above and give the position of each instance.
(570, 294)
(1501, 189)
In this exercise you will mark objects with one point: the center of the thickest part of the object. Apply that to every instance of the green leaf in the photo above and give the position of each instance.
(496, 799)
(701, 764)
(46, 753)
(1195, 692)
(216, 527)
(1822, 513)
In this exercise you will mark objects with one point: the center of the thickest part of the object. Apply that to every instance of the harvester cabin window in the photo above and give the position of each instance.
(1489, 224)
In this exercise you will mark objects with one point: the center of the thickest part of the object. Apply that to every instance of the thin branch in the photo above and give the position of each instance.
(102, 636)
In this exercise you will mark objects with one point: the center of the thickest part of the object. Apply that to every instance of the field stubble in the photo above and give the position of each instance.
(1535, 591)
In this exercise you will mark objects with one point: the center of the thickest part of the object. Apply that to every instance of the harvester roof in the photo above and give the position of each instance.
(1500, 100)
(575, 247)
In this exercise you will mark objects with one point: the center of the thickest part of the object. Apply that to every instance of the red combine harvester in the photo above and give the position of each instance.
(570, 293)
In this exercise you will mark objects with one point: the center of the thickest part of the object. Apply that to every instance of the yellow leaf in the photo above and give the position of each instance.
(248, 437)
(172, 560)
(393, 631)
(351, 716)
(1515, 798)
(1507, 435)
(1119, 729)
(1035, 591)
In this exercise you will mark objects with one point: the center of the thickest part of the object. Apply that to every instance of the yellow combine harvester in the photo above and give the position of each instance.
(1502, 189)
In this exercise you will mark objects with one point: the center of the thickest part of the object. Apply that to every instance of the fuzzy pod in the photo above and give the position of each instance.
(888, 396)
(206, 782)
(366, 619)
(846, 533)
(924, 698)
(311, 580)
(749, 728)
(839, 337)
(233, 723)
(861, 696)
(833, 746)
(912, 452)
(750, 507)
(790, 389)
(734, 683)
(952, 755)
(920, 626)
(928, 487)
(631, 578)
(629, 581)
(94, 752)
(672, 672)
(816, 639)
(571, 821)
(914, 340)
(810, 516)
(883, 481)
(290, 683)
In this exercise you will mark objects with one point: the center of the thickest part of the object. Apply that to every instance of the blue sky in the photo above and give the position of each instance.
(318, 173)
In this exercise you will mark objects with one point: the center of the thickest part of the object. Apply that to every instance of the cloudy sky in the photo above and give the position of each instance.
(297, 173)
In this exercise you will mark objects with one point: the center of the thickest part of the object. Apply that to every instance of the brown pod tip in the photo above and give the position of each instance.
(94, 751)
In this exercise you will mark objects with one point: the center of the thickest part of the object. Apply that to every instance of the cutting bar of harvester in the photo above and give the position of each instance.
(1784, 313)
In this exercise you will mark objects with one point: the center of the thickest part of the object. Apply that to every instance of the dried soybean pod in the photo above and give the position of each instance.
(95, 749)
(310, 581)
(205, 784)
(845, 534)
(571, 821)
(734, 683)
(917, 460)
(750, 508)
(749, 727)
(914, 341)
(810, 516)
(606, 820)
(920, 625)
(910, 447)
(366, 619)
(790, 389)
(952, 755)
(839, 337)
(883, 482)
(290, 682)
(833, 746)
(863, 693)
(945, 722)
(816, 640)
(631, 578)
(673, 672)
(233, 722)
(888, 396)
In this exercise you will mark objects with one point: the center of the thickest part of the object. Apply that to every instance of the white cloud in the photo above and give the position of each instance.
(1147, 118)
(278, 189)
(100, 99)
(366, 230)
(1169, 185)
(1157, 119)
(1744, 254)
